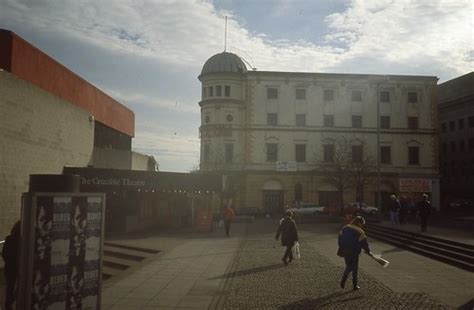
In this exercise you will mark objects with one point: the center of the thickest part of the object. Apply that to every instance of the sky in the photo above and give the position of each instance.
(147, 54)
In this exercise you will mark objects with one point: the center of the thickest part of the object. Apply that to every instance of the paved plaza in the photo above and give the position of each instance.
(210, 271)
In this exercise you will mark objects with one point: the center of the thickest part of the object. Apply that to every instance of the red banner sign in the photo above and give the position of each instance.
(415, 185)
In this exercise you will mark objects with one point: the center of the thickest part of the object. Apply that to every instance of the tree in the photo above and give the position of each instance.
(345, 165)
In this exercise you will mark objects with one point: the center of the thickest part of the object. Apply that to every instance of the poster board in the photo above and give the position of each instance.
(61, 251)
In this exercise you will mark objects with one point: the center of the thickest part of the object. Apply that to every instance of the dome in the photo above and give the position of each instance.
(224, 62)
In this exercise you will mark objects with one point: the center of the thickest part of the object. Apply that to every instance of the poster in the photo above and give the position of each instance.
(66, 248)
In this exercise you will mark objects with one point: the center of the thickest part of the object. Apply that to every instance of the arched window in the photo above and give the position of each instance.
(298, 192)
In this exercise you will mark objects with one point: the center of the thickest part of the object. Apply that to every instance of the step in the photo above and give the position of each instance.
(424, 236)
(422, 245)
(129, 247)
(457, 248)
(125, 254)
(433, 255)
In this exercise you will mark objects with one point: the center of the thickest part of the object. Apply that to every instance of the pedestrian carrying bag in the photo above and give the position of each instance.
(297, 250)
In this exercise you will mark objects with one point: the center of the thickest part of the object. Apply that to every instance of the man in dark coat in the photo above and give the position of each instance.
(289, 236)
(424, 211)
(10, 255)
(352, 240)
(394, 210)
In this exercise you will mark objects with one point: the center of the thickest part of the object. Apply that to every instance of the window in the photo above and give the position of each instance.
(229, 152)
(356, 96)
(211, 91)
(301, 120)
(443, 127)
(328, 95)
(445, 149)
(328, 152)
(413, 122)
(229, 118)
(204, 92)
(227, 91)
(385, 155)
(357, 153)
(298, 192)
(385, 122)
(356, 121)
(462, 146)
(272, 119)
(219, 91)
(412, 97)
(300, 152)
(384, 96)
(461, 123)
(413, 155)
(470, 121)
(301, 94)
(272, 93)
(206, 153)
(272, 152)
(452, 126)
(328, 120)
(453, 146)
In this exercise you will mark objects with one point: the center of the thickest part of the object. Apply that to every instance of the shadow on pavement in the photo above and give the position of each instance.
(248, 271)
(328, 300)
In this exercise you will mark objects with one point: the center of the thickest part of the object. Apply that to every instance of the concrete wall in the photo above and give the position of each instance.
(111, 158)
(140, 161)
(39, 134)
(29, 63)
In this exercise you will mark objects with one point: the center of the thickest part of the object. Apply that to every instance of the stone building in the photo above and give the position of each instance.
(273, 134)
(456, 114)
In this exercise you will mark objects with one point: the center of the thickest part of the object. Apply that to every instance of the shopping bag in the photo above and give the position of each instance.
(221, 223)
(297, 250)
(383, 262)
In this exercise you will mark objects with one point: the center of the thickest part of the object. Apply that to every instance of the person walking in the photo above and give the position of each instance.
(10, 255)
(289, 236)
(351, 241)
(228, 217)
(424, 211)
(394, 210)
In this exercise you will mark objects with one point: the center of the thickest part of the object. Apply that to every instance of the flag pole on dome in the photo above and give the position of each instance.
(225, 35)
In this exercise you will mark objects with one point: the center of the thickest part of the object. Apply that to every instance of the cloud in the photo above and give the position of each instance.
(148, 53)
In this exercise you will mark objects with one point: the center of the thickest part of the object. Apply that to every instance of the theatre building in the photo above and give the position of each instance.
(272, 132)
(51, 118)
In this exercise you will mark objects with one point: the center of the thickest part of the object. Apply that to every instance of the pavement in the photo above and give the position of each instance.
(244, 271)
(211, 271)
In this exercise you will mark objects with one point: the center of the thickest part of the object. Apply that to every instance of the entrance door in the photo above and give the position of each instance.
(273, 201)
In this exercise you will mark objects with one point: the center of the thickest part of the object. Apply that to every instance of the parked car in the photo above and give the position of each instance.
(361, 207)
(305, 208)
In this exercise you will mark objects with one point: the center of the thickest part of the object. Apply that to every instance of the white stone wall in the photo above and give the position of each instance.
(39, 134)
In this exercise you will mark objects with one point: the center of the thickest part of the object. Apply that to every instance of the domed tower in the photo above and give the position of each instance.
(222, 110)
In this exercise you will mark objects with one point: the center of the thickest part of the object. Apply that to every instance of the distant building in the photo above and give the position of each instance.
(51, 118)
(268, 132)
(456, 114)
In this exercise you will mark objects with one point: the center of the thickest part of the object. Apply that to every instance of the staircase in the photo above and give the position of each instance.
(119, 257)
(454, 253)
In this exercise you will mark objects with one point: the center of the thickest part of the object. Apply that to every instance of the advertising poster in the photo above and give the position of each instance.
(42, 253)
(67, 252)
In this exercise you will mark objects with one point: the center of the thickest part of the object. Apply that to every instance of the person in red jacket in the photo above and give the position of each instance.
(228, 216)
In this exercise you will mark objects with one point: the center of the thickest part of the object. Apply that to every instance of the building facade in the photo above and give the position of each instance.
(51, 118)
(456, 113)
(276, 135)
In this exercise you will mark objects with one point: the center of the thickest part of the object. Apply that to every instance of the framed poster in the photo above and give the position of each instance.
(61, 254)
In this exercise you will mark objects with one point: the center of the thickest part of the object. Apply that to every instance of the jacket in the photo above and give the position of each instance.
(352, 240)
(228, 214)
(424, 208)
(288, 232)
(10, 254)
(395, 205)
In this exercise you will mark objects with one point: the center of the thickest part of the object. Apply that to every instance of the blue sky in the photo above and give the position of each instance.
(147, 54)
